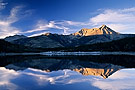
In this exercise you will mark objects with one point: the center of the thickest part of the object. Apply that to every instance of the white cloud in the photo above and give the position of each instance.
(2, 4)
(128, 9)
(6, 28)
(121, 80)
(37, 34)
(6, 23)
(123, 28)
(13, 14)
(42, 26)
(6, 76)
(71, 23)
(121, 20)
(114, 16)
(65, 25)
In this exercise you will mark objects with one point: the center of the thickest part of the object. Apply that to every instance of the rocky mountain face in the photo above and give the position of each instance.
(82, 37)
(103, 30)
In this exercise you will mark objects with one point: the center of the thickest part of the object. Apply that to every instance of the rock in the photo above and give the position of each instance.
(103, 30)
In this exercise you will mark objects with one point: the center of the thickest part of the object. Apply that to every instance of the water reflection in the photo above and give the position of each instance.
(55, 73)
(34, 79)
(83, 67)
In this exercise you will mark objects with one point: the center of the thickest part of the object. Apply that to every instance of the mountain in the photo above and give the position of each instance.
(83, 37)
(103, 30)
(125, 44)
(15, 37)
(38, 42)
(9, 47)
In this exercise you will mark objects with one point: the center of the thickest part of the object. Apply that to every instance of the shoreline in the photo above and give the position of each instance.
(53, 53)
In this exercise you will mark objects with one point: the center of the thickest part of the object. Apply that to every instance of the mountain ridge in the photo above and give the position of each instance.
(103, 30)
(49, 40)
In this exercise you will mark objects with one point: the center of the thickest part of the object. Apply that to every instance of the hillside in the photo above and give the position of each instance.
(15, 37)
(126, 44)
(8, 47)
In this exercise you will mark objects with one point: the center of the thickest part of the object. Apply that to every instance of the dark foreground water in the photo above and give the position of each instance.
(98, 72)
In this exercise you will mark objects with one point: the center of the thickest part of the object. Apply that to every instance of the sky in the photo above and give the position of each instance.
(36, 17)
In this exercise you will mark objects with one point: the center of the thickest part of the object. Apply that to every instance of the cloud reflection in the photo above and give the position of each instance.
(121, 80)
(33, 79)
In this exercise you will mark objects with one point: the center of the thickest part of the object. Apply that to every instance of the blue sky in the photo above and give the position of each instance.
(35, 17)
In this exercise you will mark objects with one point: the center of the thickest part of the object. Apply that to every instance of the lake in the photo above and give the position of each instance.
(67, 72)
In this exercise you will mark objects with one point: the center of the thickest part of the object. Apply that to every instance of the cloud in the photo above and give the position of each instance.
(5, 78)
(37, 34)
(128, 9)
(67, 26)
(118, 16)
(41, 26)
(23, 79)
(60, 25)
(6, 28)
(119, 19)
(13, 14)
(6, 22)
(2, 4)
(71, 23)
(121, 80)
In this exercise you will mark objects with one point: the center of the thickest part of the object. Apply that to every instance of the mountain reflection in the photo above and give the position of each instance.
(68, 73)
(97, 72)
(52, 64)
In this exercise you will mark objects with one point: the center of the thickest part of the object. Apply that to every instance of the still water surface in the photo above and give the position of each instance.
(67, 73)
